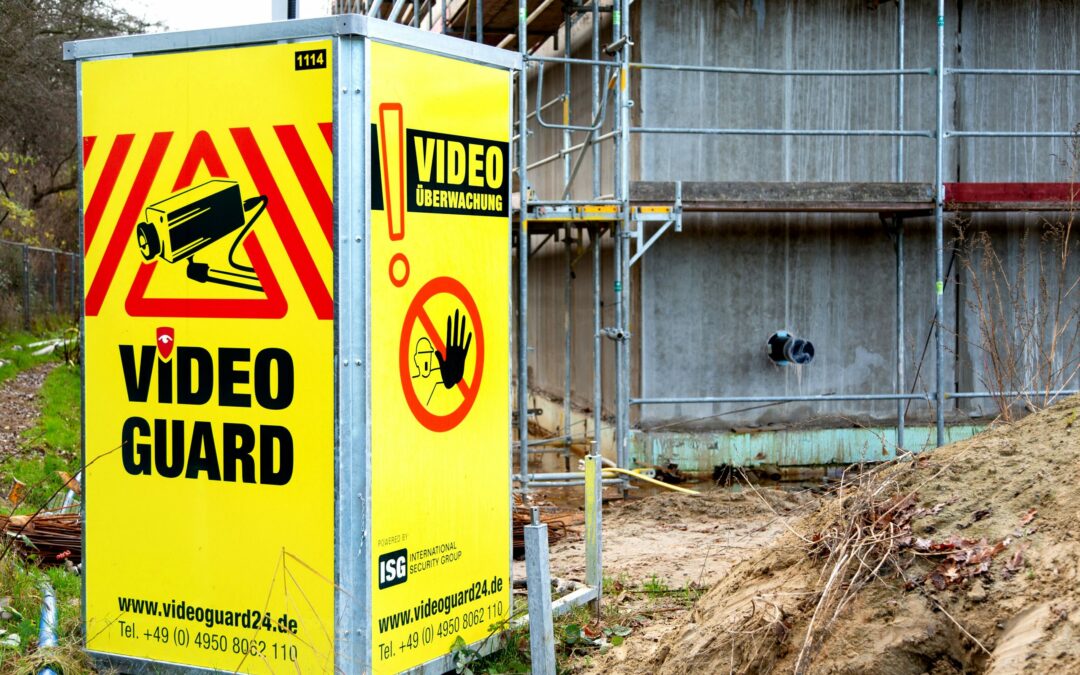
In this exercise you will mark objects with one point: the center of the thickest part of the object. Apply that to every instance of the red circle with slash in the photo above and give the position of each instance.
(416, 313)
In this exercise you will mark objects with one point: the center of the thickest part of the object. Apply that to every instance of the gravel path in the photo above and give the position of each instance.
(19, 406)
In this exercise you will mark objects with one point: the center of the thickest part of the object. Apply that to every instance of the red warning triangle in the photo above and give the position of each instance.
(203, 153)
(273, 306)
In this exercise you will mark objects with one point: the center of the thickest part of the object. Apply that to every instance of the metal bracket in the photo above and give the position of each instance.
(616, 47)
(670, 217)
(616, 334)
(676, 210)
(893, 225)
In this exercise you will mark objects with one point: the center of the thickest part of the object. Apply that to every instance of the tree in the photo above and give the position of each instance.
(38, 147)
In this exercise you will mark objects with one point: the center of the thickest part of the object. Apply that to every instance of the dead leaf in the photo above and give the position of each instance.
(951, 572)
(1016, 563)
(1029, 516)
(69, 482)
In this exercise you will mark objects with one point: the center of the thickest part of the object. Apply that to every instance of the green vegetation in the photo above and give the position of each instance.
(20, 609)
(578, 635)
(16, 356)
(50, 446)
(61, 412)
(654, 586)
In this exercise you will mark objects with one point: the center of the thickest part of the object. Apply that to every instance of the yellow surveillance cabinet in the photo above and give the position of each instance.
(297, 379)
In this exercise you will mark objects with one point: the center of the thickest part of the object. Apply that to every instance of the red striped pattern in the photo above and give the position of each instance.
(279, 212)
(309, 179)
(121, 236)
(105, 185)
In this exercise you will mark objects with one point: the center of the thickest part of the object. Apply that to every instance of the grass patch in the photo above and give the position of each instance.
(654, 586)
(579, 637)
(20, 611)
(21, 598)
(61, 412)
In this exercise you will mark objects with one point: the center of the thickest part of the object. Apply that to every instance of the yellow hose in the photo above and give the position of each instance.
(634, 474)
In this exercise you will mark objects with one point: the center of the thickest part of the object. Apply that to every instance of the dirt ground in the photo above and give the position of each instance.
(963, 560)
(660, 551)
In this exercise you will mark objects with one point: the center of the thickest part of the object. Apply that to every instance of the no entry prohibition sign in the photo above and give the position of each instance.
(430, 362)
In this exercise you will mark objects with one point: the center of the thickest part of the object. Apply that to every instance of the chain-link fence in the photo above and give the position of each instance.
(38, 286)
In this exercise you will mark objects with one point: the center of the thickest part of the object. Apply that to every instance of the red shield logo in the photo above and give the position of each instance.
(165, 339)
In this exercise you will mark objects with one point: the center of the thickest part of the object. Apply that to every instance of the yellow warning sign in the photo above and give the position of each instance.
(440, 469)
(209, 427)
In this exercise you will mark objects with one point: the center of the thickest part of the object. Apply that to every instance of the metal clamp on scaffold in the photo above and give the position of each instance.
(616, 334)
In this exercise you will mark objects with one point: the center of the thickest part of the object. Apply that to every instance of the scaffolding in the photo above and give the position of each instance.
(624, 215)
(634, 216)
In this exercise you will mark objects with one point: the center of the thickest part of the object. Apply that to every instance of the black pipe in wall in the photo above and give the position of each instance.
(785, 349)
(292, 9)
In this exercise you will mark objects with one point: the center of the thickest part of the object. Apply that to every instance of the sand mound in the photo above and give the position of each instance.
(966, 559)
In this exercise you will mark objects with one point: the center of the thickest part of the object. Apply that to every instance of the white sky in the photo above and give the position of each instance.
(192, 14)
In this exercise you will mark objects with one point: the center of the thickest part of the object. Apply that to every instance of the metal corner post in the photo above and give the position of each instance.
(597, 234)
(523, 258)
(26, 286)
(939, 207)
(901, 384)
(901, 378)
(352, 513)
(594, 487)
(621, 31)
(568, 246)
(541, 629)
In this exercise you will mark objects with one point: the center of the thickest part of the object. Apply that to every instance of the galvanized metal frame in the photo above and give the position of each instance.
(351, 37)
(80, 191)
(340, 25)
(352, 462)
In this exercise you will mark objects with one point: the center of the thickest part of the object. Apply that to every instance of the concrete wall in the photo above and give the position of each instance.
(772, 34)
(712, 295)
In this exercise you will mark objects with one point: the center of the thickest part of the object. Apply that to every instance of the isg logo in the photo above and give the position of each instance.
(393, 568)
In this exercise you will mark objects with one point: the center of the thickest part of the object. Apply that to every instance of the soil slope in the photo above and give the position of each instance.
(966, 559)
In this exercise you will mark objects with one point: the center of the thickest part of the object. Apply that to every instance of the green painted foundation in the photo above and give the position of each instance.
(702, 451)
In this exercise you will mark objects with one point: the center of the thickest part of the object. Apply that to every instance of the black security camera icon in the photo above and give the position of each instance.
(177, 228)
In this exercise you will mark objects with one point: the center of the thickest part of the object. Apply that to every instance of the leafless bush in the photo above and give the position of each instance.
(1026, 306)
(860, 537)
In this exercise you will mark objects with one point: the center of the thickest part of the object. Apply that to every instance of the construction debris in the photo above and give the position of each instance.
(558, 521)
(48, 538)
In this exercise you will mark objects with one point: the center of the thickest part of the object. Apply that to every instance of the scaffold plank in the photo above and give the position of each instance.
(787, 196)
(1011, 196)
